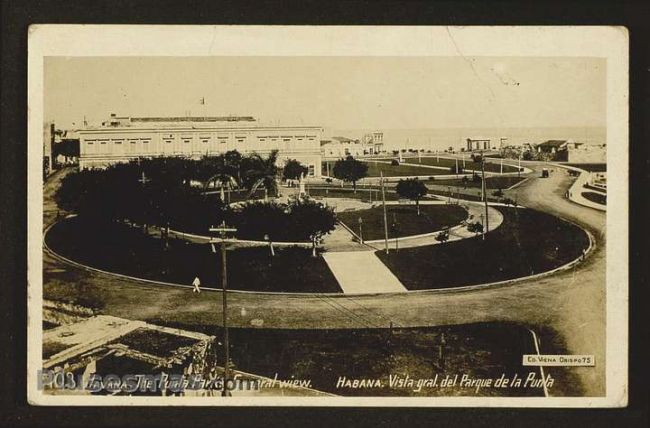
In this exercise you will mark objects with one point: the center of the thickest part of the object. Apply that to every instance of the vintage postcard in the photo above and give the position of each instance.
(328, 216)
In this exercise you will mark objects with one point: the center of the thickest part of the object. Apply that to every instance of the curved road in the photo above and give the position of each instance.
(571, 303)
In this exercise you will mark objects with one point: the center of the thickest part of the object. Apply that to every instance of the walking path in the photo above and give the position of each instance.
(342, 239)
(361, 272)
(475, 210)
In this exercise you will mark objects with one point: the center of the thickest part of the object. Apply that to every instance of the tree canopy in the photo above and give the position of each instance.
(350, 170)
(168, 194)
(67, 147)
(293, 170)
(300, 220)
(413, 189)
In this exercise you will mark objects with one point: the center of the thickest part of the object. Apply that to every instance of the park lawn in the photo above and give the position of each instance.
(432, 218)
(598, 198)
(526, 243)
(492, 182)
(119, 248)
(591, 167)
(490, 166)
(470, 194)
(480, 350)
(376, 168)
(362, 193)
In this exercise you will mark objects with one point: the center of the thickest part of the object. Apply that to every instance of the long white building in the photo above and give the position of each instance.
(121, 139)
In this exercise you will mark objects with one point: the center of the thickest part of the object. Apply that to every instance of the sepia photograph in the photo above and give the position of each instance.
(328, 216)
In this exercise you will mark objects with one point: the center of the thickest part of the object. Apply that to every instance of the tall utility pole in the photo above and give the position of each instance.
(383, 202)
(222, 230)
(484, 191)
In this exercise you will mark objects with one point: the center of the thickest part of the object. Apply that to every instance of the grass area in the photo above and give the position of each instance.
(432, 218)
(376, 168)
(492, 182)
(591, 167)
(483, 350)
(122, 249)
(362, 193)
(598, 198)
(527, 242)
(471, 194)
(469, 164)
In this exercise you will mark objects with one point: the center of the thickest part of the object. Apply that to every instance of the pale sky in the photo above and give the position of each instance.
(333, 92)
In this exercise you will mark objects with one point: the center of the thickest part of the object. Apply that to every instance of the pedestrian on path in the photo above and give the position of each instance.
(197, 284)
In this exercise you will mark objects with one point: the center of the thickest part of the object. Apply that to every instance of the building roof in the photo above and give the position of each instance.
(194, 119)
(552, 143)
(342, 139)
(67, 342)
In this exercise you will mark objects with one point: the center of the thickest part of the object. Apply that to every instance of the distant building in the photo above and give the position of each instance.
(587, 153)
(123, 138)
(477, 143)
(571, 151)
(374, 142)
(340, 147)
(552, 146)
(48, 148)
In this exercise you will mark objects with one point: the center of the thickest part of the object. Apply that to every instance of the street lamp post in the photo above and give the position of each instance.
(223, 230)
(395, 232)
(485, 199)
(361, 229)
(383, 203)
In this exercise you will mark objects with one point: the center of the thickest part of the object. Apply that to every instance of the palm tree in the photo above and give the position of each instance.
(259, 171)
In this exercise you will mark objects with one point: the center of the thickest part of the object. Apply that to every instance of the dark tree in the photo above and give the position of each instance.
(310, 219)
(293, 170)
(412, 189)
(350, 170)
(67, 147)
(254, 220)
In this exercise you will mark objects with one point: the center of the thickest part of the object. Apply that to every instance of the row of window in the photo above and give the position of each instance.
(91, 142)
(187, 140)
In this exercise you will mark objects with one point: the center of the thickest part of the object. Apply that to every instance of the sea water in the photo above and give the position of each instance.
(442, 138)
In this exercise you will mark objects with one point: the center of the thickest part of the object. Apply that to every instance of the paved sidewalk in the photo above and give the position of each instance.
(340, 240)
(575, 191)
(455, 233)
(361, 272)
